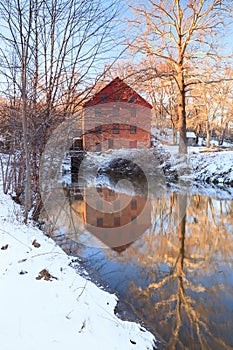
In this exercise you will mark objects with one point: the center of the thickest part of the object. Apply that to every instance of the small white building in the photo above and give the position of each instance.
(191, 138)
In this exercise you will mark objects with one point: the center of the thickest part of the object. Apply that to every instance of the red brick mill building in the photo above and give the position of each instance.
(116, 117)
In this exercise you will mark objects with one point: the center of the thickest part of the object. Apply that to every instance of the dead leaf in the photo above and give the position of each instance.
(133, 342)
(45, 275)
(36, 244)
(4, 247)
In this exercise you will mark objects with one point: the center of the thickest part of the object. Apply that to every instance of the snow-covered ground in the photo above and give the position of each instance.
(45, 304)
(207, 165)
(207, 172)
(212, 167)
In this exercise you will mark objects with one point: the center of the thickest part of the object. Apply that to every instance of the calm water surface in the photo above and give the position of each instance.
(177, 274)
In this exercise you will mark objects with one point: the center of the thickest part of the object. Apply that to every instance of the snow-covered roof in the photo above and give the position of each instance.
(117, 87)
(190, 134)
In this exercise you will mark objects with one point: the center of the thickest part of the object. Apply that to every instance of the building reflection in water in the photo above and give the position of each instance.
(116, 219)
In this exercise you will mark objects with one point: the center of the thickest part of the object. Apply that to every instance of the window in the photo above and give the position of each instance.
(98, 147)
(131, 98)
(103, 98)
(99, 205)
(99, 222)
(117, 205)
(115, 111)
(133, 129)
(110, 143)
(98, 112)
(99, 189)
(115, 128)
(133, 144)
(133, 112)
(98, 129)
(133, 204)
(111, 192)
(118, 97)
(117, 221)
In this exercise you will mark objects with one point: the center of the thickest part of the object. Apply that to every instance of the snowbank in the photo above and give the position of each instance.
(154, 161)
(212, 167)
(45, 304)
(205, 167)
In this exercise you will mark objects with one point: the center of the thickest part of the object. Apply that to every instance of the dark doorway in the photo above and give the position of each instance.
(77, 144)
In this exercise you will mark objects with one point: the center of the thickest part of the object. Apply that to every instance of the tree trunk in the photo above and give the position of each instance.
(182, 113)
(223, 134)
(207, 132)
(27, 200)
(198, 130)
(182, 207)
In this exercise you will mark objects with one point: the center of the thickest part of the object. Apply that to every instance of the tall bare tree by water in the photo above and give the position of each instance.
(178, 32)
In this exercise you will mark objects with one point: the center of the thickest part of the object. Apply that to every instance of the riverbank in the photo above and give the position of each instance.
(212, 167)
(201, 167)
(204, 171)
(45, 303)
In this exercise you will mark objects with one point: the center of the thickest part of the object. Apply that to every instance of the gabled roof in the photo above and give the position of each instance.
(117, 91)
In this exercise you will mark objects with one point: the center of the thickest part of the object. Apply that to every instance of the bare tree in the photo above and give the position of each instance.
(177, 32)
(50, 52)
(210, 101)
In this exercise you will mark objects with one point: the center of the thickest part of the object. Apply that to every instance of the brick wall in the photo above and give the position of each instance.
(116, 125)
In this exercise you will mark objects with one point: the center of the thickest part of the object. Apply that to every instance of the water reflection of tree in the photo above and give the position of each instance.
(179, 298)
